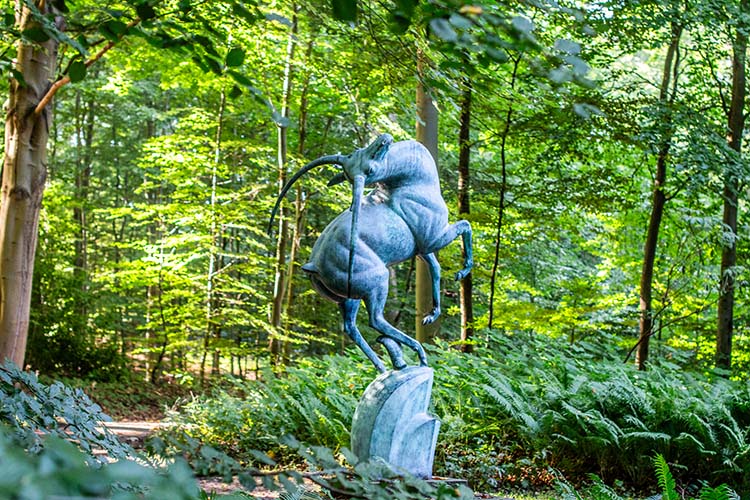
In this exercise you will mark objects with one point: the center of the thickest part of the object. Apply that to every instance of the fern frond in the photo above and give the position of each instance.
(665, 479)
(721, 492)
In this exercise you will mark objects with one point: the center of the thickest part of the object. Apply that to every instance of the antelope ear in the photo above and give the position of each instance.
(337, 179)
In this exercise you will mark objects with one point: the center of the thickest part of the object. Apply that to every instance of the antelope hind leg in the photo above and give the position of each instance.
(349, 310)
(394, 351)
(375, 303)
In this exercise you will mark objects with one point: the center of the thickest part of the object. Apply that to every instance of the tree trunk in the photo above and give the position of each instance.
(299, 204)
(275, 343)
(427, 134)
(503, 190)
(736, 123)
(212, 328)
(24, 174)
(669, 76)
(84, 143)
(464, 208)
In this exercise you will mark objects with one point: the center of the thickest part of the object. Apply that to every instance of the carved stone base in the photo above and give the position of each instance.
(391, 421)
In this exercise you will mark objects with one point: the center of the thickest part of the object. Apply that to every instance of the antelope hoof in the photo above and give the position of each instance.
(463, 273)
(430, 318)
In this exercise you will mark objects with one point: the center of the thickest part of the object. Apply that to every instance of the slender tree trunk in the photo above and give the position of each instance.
(427, 134)
(736, 122)
(84, 145)
(464, 208)
(299, 205)
(503, 190)
(669, 77)
(213, 329)
(275, 343)
(23, 177)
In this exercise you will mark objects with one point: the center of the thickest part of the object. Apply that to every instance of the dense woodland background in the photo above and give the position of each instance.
(153, 251)
(596, 149)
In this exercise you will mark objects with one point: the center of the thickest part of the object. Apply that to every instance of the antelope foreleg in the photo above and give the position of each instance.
(434, 267)
(461, 228)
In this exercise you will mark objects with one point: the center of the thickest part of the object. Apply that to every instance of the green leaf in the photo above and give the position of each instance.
(243, 12)
(235, 92)
(18, 76)
(272, 16)
(442, 29)
(262, 457)
(460, 21)
(345, 10)
(145, 11)
(35, 35)
(116, 26)
(523, 24)
(568, 46)
(77, 71)
(235, 57)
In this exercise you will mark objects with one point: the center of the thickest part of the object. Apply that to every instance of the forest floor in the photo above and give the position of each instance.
(139, 409)
(135, 432)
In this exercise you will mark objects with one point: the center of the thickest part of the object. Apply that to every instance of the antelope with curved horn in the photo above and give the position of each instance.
(405, 215)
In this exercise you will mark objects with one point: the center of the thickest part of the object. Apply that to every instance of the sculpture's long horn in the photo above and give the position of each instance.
(323, 160)
(357, 190)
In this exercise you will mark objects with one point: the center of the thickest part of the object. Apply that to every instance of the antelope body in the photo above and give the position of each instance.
(405, 215)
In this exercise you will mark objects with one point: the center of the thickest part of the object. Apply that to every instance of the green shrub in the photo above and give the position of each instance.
(34, 410)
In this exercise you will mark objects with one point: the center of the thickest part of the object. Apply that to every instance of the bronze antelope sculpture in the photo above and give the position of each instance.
(405, 215)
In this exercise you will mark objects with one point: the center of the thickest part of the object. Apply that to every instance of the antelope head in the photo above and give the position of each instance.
(363, 167)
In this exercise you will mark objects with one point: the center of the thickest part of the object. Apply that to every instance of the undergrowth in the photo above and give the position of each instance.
(513, 414)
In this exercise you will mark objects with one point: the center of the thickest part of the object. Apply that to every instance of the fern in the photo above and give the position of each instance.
(722, 492)
(664, 478)
(300, 494)
(600, 491)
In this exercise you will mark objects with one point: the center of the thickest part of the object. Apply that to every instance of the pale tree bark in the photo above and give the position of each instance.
(464, 208)
(299, 203)
(658, 197)
(275, 343)
(84, 145)
(736, 125)
(212, 327)
(427, 134)
(23, 178)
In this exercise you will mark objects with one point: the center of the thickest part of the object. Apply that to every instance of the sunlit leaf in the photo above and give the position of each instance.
(235, 57)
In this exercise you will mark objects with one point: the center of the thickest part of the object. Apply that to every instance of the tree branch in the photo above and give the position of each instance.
(66, 79)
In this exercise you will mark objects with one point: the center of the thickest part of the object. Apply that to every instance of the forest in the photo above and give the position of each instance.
(598, 349)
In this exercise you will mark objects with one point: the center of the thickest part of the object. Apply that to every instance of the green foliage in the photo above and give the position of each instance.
(520, 405)
(60, 469)
(313, 401)
(598, 490)
(52, 444)
(338, 473)
(664, 477)
(34, 410)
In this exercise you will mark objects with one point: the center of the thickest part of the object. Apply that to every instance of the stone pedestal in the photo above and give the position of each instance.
(391, 421)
